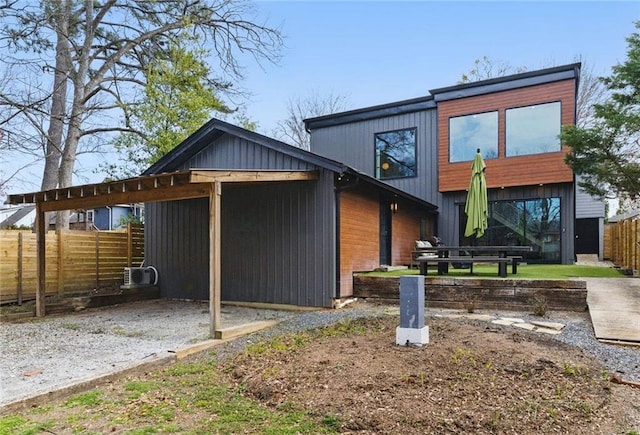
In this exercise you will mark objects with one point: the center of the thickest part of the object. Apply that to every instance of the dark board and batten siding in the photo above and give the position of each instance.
(277, 238)
(353, 145)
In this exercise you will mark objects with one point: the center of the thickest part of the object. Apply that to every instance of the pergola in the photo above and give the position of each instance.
(173, 186)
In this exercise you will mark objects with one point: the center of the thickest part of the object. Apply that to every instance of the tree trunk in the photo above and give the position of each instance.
(53, 150)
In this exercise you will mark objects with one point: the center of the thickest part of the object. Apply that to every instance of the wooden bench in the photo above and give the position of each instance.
(421, 253)
(502, 263)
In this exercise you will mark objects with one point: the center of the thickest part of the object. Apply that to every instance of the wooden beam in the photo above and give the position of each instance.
(204, 176)
(41, 229)
(162, 193)
(215, 250)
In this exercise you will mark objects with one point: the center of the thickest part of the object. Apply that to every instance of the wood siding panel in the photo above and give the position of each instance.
(405, 230)
(71, 264)
(506, 171)
(359, 237)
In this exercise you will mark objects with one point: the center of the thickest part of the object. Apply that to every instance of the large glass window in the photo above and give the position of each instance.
(533, 222)
(533, 129)
(470, 132)
(396, 154)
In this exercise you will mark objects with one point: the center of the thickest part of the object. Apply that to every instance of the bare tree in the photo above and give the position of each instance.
(292, 130)
(84, 60)
(591, 90)
(485, 68)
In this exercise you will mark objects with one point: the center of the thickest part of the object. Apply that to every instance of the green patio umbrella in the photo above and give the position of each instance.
(476, 208)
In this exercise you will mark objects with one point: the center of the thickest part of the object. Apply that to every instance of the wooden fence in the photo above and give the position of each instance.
(76, 261)
(622, 243)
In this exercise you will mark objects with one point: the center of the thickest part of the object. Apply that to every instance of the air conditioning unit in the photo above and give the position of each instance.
(140, 276)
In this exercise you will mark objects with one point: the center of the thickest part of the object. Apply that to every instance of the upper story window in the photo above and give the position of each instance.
(469, 132)
(396, 154)
(533, 129)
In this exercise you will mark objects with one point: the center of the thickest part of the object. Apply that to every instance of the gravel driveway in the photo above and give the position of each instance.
(44, 355)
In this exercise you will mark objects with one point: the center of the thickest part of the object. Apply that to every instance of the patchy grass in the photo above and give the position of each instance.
(189, 397)
(525, 271)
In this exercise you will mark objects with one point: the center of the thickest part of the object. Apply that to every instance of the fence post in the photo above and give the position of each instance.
(129, 245)
(97, 260)
(20, 245)
(636, 244)
(61, 253)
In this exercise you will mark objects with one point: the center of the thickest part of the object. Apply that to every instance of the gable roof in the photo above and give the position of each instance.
(215, 129)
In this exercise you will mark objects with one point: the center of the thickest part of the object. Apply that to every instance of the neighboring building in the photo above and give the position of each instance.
(102, 218)
(17, 216)
(115, 217)
(282, 242)
(425, 146)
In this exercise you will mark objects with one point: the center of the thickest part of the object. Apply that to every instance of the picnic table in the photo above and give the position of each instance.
(488, 254)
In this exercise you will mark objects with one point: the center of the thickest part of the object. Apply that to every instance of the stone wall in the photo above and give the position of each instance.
(506, 294)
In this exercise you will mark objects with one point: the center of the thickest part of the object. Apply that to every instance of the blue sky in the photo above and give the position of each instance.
(376, 52)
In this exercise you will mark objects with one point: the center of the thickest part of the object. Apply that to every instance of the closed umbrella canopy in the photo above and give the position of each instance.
(476, 208)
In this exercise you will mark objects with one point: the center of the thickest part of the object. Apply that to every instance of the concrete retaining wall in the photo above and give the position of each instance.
(506, 294)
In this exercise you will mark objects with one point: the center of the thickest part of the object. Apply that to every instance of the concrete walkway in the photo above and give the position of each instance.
(614, 305)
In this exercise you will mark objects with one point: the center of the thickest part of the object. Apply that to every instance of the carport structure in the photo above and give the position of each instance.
(172, 186)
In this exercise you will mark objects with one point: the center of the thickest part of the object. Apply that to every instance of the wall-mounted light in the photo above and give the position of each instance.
(394, 207)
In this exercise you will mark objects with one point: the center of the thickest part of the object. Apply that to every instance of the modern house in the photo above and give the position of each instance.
(234, 215)
(283, 242)
(425, 146)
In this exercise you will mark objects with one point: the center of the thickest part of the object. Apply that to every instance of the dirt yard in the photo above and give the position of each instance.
(351, 378)
(471, 378)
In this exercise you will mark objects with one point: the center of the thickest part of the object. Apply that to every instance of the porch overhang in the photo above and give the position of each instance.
(172, 186)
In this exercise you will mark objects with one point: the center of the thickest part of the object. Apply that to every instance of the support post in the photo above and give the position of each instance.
(214, 258)
(41, 231)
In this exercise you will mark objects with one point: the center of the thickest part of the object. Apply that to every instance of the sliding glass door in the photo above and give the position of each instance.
(532, 222)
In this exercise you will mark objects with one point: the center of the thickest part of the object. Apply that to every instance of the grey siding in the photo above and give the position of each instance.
(278, 239)
(353, 144)
(588, 206)
(230, 152)
(449, 219)
(177, 244)
(278, 243)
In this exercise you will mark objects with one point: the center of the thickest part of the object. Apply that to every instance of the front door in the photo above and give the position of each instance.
(587, 236)
(385, 233)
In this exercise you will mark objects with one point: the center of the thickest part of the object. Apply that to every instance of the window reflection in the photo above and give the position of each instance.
(533, 129)
(534, 222)
(396, 154)
(470, 132)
